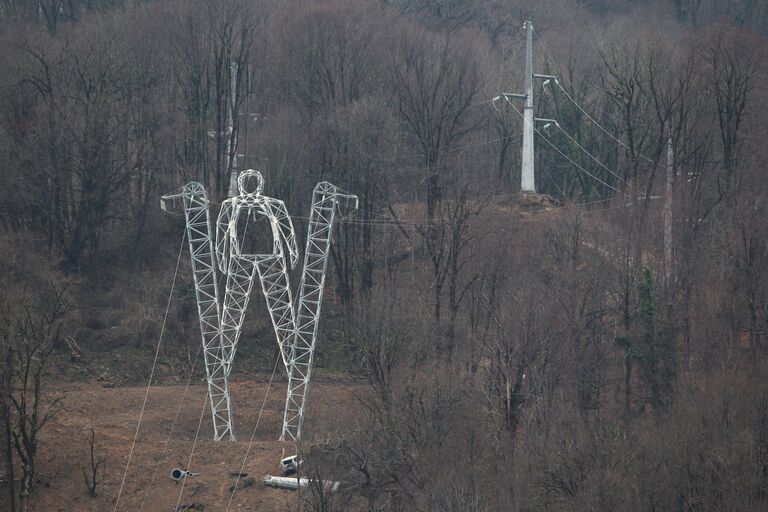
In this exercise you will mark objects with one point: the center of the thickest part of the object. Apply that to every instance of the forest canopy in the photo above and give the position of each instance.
(600, 345)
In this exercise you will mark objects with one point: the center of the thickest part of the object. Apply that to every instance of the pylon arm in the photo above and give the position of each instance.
(194, 200)
(222, 236)
(285, 227)
(299, 354)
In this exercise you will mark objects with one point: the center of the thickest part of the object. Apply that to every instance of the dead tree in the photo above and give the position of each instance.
(91, 476)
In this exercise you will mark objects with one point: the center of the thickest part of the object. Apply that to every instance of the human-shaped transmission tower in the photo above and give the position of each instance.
(237, 214)
(221, 322)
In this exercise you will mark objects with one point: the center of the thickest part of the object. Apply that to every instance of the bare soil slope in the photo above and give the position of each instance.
(113, 413)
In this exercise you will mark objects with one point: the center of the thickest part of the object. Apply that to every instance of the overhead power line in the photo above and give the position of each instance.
(563, 154)
(151, 375)
(601, 164)
(619, 141)
(589, 116)
(560, 72)
(527, 180)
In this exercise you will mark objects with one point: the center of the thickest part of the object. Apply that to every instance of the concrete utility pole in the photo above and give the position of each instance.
(668, 217)
(527, 180)
(527, 177)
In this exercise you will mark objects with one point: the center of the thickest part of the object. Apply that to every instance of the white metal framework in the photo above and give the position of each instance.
(195, 204)
(221, 325)
(325, 201)
(240, 267)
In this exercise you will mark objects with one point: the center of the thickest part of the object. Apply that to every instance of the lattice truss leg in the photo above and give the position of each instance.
(273, 275)
(300, 353)
(241, 270)
(195, 202)
(240, 275)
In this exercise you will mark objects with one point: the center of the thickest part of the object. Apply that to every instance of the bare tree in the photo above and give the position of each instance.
(35, 333)
(733, 65)
(233, 31)
(449, 242)
(435, 81)
(382, 345)
(91, 477)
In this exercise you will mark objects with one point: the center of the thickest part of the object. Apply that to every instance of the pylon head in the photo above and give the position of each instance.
(245, 183)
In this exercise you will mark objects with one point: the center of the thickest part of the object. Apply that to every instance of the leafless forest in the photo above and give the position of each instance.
(532, 353)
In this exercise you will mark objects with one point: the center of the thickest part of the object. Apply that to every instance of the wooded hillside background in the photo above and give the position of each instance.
(522, 353)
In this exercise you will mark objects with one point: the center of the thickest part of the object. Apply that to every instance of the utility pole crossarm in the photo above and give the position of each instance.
(513, 95)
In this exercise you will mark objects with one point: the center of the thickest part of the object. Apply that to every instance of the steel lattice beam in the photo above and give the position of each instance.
(300, 353)
(195, 204)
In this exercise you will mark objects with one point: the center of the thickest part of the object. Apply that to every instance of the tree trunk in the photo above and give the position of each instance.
(628, 384)
(6, 415)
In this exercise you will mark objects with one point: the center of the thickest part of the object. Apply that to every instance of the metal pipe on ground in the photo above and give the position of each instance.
(293, 483)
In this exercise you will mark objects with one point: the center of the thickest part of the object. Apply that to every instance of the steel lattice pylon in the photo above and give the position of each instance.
(240, 267)
(325, 200)
(221, 325)
(195, 203)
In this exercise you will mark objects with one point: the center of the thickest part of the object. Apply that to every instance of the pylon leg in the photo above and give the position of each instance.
(241, 272)
(273, 275)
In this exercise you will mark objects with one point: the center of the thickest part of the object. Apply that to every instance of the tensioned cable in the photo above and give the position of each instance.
(453, 149)
(152, 372)
(560, 72)
(579, 106)
(561, 153)
(253, 434)
(598, 124)
(394, 223)
(601, 164)
(471, 105)
(417, 223)
(192, 452)
(385, 222)
(484, 143)
(173, 425)
(543, 215)
(596, 201)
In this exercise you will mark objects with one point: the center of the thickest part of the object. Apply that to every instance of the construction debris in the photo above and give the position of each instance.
(291, 464)
(293, 483)
(242, 484)
(178, 474)
(190, 507)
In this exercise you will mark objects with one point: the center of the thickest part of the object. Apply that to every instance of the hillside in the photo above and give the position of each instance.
(580, 326)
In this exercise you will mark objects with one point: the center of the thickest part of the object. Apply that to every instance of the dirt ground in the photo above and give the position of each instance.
(113, 413)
